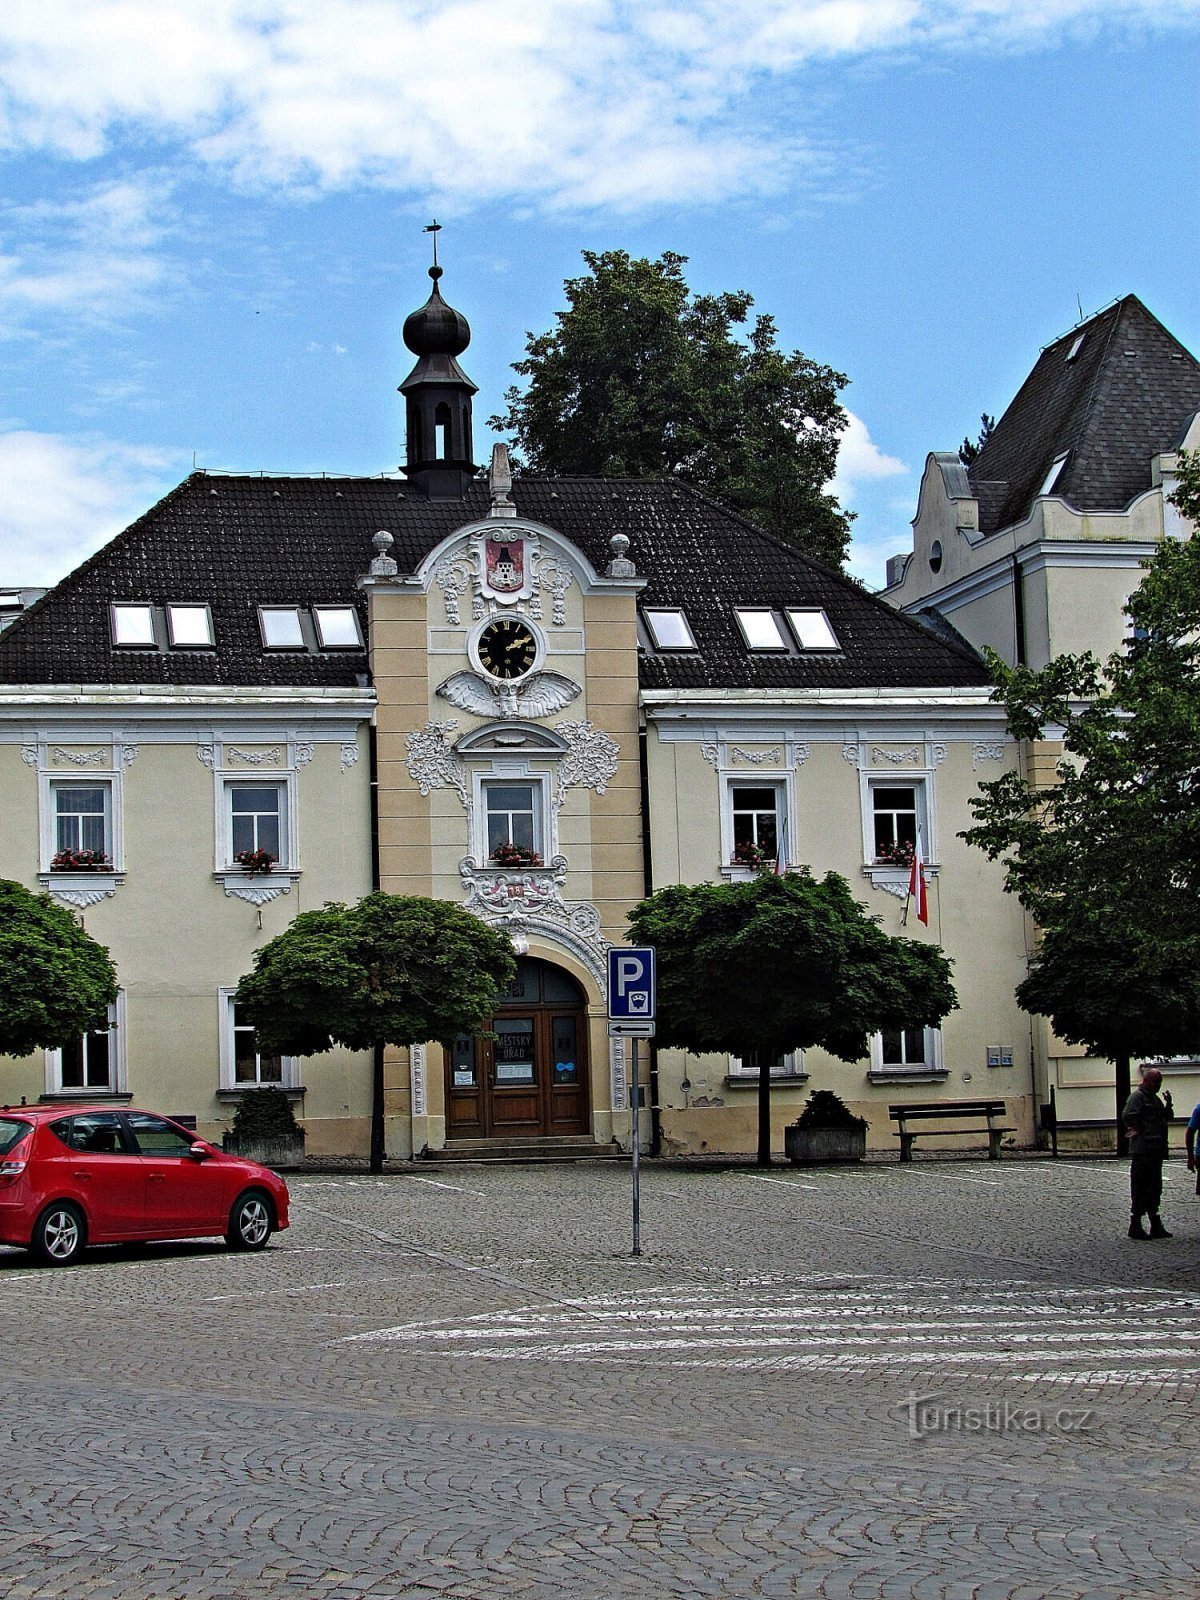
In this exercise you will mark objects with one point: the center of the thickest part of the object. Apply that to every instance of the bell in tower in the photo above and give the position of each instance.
(437, 394)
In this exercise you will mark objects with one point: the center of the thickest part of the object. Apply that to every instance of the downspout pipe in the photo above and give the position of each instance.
(377, 1082)
(648, 889)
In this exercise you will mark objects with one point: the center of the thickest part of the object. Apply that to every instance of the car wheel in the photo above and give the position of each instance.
(58, 1234)
(250, 1222)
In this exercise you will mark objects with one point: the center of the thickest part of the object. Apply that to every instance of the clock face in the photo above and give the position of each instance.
(507, 648)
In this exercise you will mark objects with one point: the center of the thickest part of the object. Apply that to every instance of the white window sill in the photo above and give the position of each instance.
(783, 1080)
(734, 872)
(258, 888)
(894, 880)
(908, 1075)
(81, 888)
(53, 1096)
(234, 1092)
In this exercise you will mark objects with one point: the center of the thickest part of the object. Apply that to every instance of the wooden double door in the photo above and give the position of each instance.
(530, 1080)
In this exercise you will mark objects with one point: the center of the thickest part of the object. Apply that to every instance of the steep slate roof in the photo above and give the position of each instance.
(238, 542)
(1126, 395)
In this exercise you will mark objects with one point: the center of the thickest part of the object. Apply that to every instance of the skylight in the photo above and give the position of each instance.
(812, 629)
(669, 630)
(1053, 475)
(337, 627)
(133, 626)
(189, 627)
(280, 627)
(1076, 347)
(760, 629)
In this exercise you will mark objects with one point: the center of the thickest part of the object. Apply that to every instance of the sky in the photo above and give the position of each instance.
(212, 211)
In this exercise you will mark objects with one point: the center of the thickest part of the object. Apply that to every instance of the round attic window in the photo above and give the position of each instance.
(935, 556)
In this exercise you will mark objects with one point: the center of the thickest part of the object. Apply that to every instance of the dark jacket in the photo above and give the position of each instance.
(1147, 1119)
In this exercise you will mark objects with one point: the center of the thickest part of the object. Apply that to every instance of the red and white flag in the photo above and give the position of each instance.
(916, 882)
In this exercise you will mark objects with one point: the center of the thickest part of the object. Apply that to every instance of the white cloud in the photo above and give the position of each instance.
(563, 102)
(860, 460)
(63, 497)
(97, 255)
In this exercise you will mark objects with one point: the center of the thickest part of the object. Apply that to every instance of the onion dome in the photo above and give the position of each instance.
(436, 329)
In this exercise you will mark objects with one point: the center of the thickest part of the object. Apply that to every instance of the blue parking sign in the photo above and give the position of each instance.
(631, 984)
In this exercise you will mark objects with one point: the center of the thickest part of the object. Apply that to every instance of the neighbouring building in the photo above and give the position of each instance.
(538, 697)
(1035, 547)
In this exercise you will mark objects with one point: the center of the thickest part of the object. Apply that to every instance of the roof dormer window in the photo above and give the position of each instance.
(669, 630)
(812, 628)
(760, 628)
(280, 627)
(1054, 474)
(189, 627)
(337, 627)
(132, 627)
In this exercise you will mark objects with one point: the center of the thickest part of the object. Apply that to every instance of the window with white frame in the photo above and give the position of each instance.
(754, 813)
(899, 1050)
(256, 819)
(790, 1065)
(896, 812)
(81, 822)
(513, 814)
(94, 1062)
(243, 1064)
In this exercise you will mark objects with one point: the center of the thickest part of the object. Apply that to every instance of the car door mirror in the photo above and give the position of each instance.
(199, 1152)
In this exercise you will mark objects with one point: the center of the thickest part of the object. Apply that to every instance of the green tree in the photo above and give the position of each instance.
(56, 981)
(390, 970)
(783, 963)
(642, 378)
(1105, 855)
(968, 452)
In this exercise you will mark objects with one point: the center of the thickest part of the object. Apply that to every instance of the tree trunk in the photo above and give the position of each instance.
(763, 1059)
(1123, 1088)
(377, 1110)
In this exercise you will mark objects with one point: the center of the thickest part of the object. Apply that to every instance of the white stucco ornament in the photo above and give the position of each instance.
(539, 695)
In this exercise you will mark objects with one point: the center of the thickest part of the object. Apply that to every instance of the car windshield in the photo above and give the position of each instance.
(12, 1132)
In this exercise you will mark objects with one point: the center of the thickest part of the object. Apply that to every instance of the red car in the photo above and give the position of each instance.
(77, 1175)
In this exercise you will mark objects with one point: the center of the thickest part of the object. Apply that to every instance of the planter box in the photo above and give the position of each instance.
(280, 1154)
(808, 1145)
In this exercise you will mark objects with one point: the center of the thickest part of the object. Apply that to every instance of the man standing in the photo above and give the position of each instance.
(1193, 1128)
(1145, 1118)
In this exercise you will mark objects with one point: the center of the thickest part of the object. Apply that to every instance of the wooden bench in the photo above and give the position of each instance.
(975, 1111)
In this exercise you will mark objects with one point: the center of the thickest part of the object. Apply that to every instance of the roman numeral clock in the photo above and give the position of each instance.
(507, 649)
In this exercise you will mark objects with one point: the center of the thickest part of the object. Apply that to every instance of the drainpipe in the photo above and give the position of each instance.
(377, 1084)
(1018, 610)
(648, 888)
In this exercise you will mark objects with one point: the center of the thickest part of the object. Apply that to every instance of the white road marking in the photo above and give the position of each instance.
(1072, 1335)
(457, 1188)
(786, 1183)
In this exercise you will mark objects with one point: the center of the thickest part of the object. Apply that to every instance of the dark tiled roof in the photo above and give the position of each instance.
(1126, 396)
(239, 542)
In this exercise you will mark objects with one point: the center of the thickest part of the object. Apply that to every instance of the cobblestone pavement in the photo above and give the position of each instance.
(946, 1380)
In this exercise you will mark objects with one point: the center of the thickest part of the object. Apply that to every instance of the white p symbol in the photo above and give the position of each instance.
(629, 972)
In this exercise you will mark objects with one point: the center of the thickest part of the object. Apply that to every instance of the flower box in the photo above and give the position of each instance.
(515, 855)
(81, 861)
(255, 861)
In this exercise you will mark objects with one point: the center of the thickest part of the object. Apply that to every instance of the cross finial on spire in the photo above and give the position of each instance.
(434, 228)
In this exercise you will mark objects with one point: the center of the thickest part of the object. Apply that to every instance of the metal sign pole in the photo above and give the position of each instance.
(635, 1105)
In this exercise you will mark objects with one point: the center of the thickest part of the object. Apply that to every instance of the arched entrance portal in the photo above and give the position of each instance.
(531, 1080)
